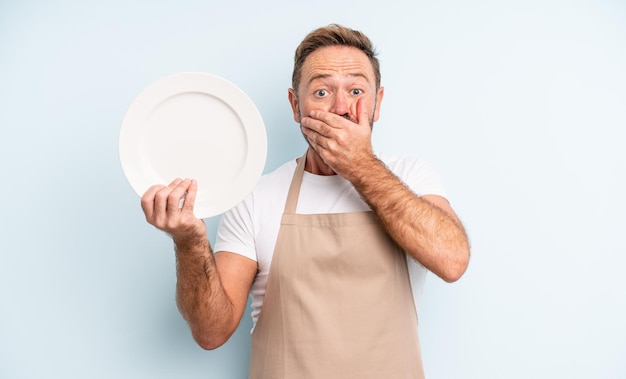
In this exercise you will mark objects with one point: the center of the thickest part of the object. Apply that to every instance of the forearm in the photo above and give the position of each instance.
(432, 236)
(200, 296)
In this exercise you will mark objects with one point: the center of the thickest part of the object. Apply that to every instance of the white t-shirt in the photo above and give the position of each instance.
(251, 228)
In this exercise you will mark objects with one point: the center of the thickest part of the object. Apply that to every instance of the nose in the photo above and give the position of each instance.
(341, 105)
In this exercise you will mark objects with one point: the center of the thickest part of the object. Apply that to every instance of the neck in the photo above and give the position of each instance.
(316, 165)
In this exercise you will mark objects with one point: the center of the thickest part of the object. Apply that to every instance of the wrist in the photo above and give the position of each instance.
(368, 168)
(191, 238)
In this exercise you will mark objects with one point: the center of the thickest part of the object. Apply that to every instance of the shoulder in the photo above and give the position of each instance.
(270, 191)
(405, 166)
(283, 173)
(416, 172)
(240, 226)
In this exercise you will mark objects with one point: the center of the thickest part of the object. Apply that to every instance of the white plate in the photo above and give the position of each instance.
(194, 125)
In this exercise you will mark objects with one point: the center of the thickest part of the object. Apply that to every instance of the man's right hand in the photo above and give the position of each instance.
(170, 209)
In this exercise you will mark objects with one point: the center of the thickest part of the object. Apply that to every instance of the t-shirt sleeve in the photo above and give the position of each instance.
(235, 232)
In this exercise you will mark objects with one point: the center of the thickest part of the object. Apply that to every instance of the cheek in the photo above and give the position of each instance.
(318, 105)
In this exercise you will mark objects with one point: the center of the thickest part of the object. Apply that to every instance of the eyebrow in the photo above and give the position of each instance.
(324, 76)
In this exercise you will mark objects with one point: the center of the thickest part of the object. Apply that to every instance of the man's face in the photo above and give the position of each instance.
(333, 79)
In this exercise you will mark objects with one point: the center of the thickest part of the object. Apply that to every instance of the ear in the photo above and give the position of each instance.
(379, 99)
(293, 100)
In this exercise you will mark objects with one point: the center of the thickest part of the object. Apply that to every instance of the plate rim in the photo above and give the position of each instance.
(226, 91)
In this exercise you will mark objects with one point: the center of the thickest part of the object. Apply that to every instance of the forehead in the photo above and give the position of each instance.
(337, 61)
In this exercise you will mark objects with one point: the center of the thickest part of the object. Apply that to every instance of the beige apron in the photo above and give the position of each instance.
(338, 302)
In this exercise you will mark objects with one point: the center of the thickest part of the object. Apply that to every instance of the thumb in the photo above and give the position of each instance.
(190, 196)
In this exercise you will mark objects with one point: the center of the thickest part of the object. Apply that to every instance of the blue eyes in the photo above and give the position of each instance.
(324, 93)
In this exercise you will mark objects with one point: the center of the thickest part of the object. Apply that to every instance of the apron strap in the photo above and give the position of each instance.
(294, 188)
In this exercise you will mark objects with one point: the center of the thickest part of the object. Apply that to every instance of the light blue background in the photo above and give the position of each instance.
(520, 105)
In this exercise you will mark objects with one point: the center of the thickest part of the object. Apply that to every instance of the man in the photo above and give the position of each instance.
(333, 247)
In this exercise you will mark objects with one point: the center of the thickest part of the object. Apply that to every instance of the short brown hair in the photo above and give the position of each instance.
(333, 35)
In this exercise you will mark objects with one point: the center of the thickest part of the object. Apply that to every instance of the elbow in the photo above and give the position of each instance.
(455, 269)
(208, 345)
(209, 342)
(451, 276)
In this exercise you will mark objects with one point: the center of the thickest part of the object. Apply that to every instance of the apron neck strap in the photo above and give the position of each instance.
(294, 188)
